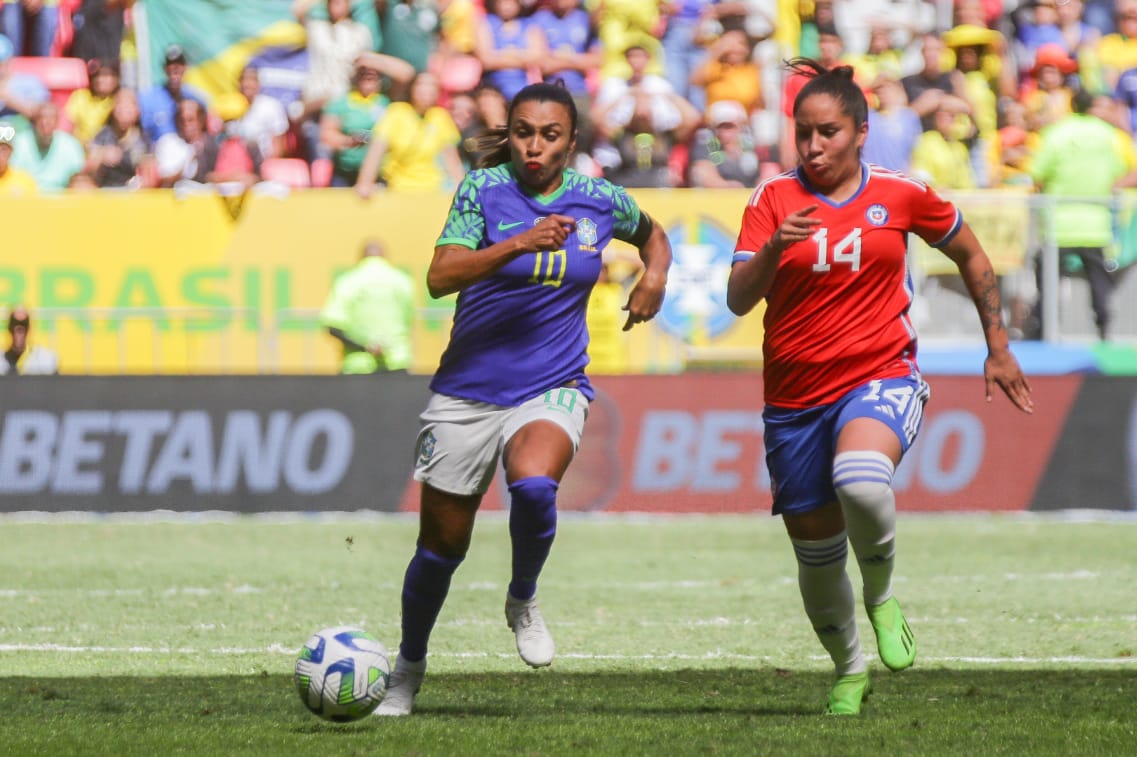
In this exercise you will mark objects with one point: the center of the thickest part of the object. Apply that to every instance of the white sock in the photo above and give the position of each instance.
(863, 481)
(828, 599)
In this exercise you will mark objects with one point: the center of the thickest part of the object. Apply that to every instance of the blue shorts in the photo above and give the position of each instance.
(801, 444)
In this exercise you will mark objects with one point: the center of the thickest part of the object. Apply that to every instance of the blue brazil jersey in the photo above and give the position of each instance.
(522, 331)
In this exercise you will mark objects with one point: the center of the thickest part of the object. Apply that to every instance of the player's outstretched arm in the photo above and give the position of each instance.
(455, 267)
(1001, 368)
(646, 297)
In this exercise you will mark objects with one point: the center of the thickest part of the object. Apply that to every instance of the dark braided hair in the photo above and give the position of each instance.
(492, 145)
(837, 82)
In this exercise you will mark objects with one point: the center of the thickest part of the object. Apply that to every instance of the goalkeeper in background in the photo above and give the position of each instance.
(370, 311)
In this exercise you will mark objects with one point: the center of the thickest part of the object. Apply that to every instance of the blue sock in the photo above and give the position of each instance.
(532, 526)
(425, 587)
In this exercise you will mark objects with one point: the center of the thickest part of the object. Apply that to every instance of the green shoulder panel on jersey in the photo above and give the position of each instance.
(625, 211)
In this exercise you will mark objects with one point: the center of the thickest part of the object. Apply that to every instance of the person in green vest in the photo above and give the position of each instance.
(370, 311)
(1081, 155)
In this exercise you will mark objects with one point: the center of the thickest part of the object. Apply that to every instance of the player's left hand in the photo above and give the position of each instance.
(1002, 369)
(646, 298)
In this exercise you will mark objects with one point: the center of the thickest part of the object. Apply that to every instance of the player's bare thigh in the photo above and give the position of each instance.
(539, 448)
(446, 521)
(543, 434)
(862, 434)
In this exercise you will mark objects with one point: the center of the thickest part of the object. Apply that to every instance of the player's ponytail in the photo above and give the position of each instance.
(491, 147)
(837, 82)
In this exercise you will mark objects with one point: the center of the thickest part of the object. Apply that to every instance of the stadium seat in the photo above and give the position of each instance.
(61, 76)
(322, 170)
(292, 172)
(460, 73)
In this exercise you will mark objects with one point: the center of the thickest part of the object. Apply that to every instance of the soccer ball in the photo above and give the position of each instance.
(341, 673)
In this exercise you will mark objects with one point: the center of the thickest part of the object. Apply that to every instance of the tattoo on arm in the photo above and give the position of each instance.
(988, 302)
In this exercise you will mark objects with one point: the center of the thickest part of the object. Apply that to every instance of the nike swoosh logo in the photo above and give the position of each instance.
(502, 226)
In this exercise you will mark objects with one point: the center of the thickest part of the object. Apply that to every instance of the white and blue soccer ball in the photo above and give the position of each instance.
(341, 673)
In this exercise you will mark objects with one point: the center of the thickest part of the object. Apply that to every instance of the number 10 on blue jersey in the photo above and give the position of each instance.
(554, 263)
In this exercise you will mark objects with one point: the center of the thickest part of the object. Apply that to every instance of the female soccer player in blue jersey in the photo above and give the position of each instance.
(825, 246)
(522, 248)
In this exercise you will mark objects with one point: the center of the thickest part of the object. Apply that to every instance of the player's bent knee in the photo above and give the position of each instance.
(865, 496)
(534, 490)
(533, 504)
(863, 478)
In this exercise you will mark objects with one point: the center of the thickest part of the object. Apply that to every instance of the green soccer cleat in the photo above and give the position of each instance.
(848, 693)
(894, 640)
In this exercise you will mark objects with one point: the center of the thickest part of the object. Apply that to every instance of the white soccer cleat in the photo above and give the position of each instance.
(406, 680)
(534, 642)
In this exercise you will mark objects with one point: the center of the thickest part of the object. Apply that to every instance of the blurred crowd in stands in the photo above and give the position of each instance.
(671, 93)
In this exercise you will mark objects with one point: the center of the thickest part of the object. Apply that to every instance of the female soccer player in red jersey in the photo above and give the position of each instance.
(826, 246)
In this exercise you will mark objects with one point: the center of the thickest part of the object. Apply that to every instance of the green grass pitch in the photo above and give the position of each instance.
(680, 635)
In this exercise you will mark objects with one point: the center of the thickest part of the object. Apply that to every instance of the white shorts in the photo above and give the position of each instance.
(461, 440)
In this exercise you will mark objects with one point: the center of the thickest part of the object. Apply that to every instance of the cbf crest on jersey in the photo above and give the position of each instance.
(586, 234)
(877, 214)
(426, 449)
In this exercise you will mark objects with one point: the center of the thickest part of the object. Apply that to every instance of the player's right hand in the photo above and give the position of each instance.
(796, 227)
(550, 233)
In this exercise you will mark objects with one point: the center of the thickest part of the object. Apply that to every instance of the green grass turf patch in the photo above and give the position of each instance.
(727, 711)
(675, 636)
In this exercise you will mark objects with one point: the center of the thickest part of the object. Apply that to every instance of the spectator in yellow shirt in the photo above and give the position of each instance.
(882, 56)
(1117, 52)
(980, 60)
(459, 27)
(940, 157)
(607, 343)
(1047, 95)
(622, 24)
(414, 145)
(730, 73)
(87, 109)
(1016, 144)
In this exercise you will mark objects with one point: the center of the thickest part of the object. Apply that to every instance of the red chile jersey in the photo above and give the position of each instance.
(837, 311)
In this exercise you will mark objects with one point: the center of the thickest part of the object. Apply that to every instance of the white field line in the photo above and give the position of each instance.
(280, 649)
(193, 591)
(732, 583)
(486, 622)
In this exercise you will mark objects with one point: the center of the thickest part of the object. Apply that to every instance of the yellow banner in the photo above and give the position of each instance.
(149, 282)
